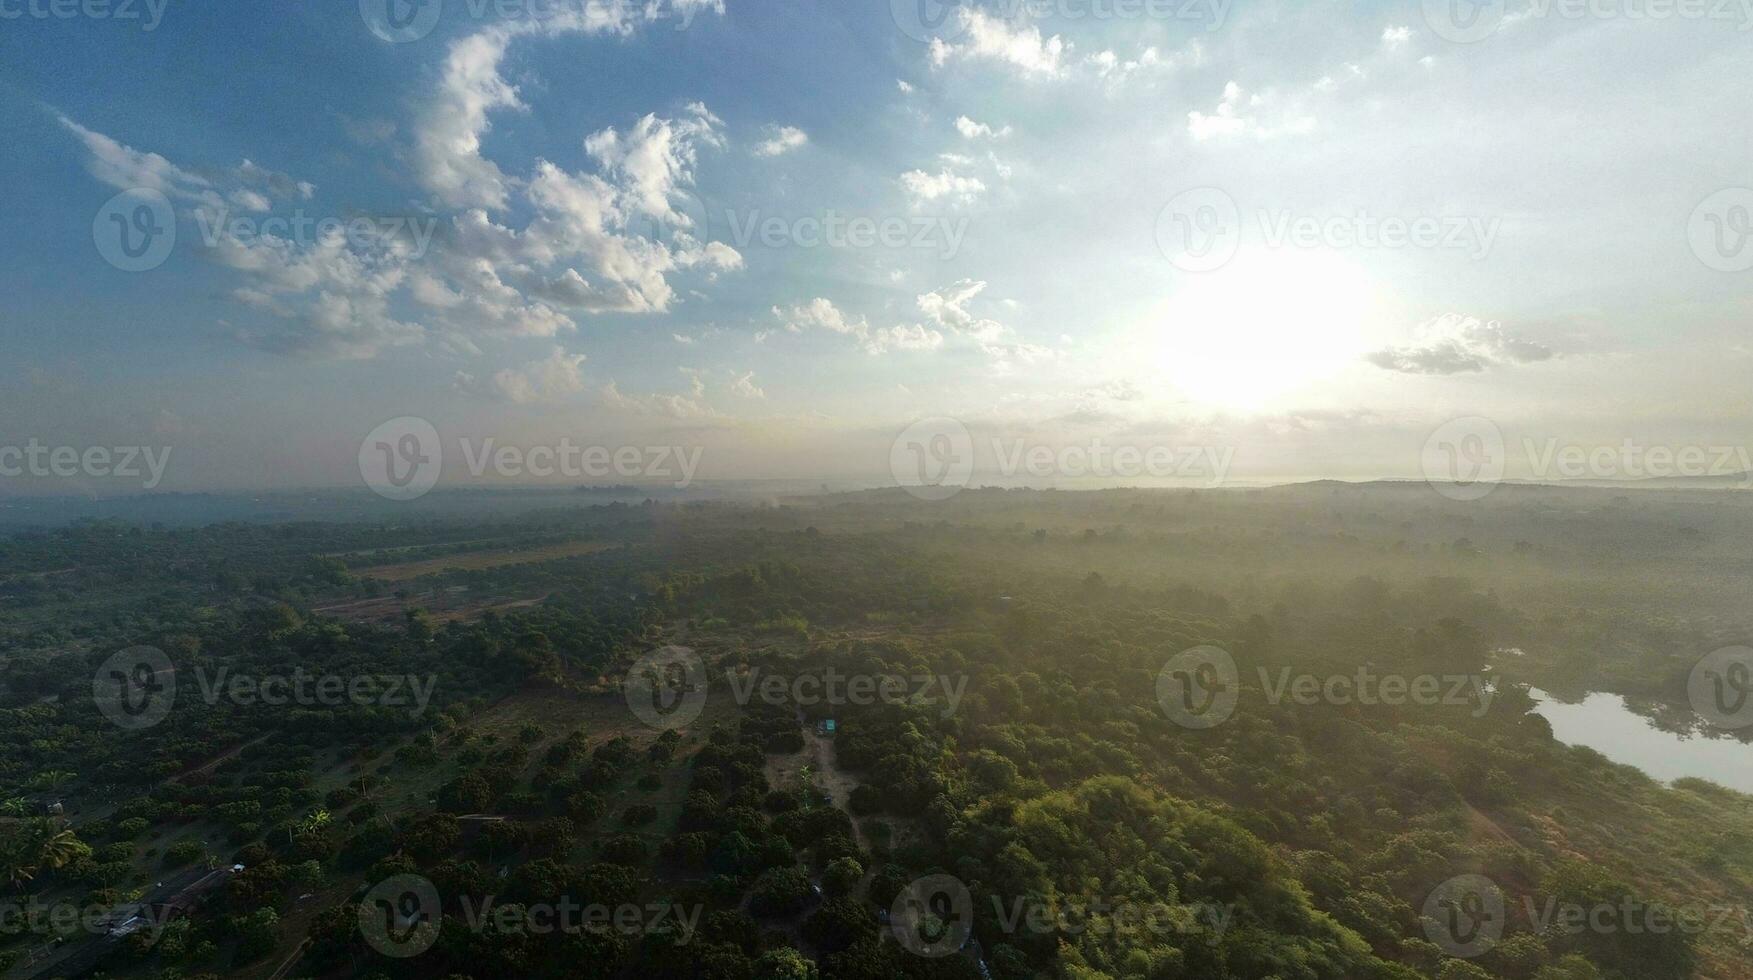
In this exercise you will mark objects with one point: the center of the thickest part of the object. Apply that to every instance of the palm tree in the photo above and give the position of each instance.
(38, 845)
(56, 844)
(16, 864)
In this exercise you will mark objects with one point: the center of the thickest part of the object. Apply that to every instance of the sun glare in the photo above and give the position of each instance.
(1269, 326)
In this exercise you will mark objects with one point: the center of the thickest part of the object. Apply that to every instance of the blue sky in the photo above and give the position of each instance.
(589, 175)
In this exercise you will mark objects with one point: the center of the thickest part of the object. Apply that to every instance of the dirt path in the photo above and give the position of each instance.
(818, 754)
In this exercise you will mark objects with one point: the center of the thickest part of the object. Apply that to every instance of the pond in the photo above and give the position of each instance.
(1604, 723)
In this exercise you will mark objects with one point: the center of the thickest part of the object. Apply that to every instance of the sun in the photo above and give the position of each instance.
(1269, 329)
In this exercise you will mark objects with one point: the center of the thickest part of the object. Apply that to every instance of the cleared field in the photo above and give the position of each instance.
(483, 559)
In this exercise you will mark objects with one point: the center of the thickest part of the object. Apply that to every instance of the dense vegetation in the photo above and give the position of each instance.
(1027, 756)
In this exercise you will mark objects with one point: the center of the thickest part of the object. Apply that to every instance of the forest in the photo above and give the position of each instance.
(865, 736)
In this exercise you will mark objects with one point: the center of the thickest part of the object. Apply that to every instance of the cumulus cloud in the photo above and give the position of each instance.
(677, 407)
(556, 378)
(589, 242)
(946, 185)
(743, 385)
(975, 130)
(781, 140)
(248, 186)
(1240, 113)
(821, 314)
(991, 38)
(1457, 344)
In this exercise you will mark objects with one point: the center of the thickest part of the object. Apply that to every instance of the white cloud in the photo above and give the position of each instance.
(974, 130)
(821, 314)
(1241, 113)
(991, 38)
(908, 337)
(678, 407)
(944, 185)
(781, 140)
(247, 186)
(1395, 37)
(1457, 344)
(554, 379)
(743, 385)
